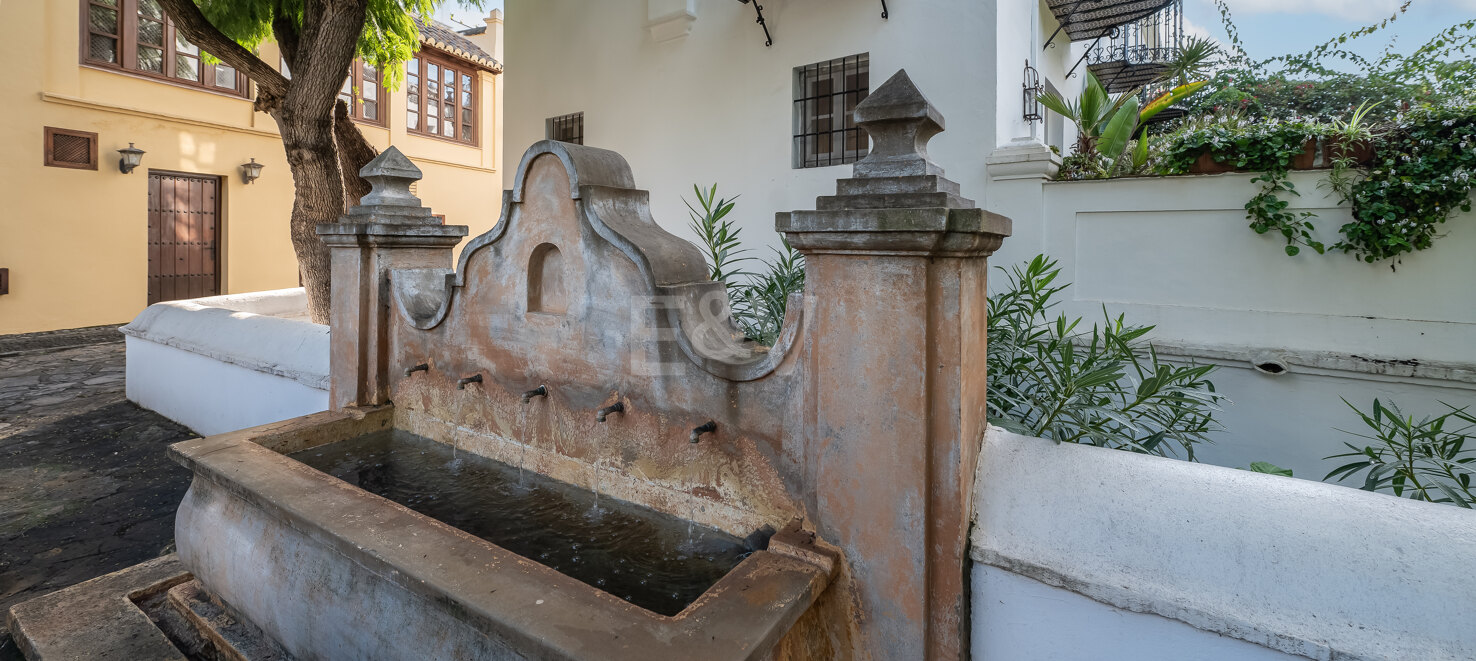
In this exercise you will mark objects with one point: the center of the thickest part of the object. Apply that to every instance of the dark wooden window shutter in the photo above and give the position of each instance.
(65, 148)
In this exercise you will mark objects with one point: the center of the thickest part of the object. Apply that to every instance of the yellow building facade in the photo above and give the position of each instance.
(80, 240)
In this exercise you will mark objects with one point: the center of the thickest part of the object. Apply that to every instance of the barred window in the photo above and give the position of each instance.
(565, 128)
(825, 98)
(135, 36)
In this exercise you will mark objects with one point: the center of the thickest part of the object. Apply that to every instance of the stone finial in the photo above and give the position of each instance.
(900, 121)
(390, 201)
(897, 200)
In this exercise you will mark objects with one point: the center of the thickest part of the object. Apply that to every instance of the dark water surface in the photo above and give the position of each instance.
(655, 561)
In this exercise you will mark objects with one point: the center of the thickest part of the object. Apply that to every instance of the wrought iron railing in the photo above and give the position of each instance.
(1140, 51)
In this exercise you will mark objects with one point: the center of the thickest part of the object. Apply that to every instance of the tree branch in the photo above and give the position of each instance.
(285, 32)
(200, 31)
(354, 152)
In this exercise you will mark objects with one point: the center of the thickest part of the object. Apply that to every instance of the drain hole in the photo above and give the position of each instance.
(1271, 367)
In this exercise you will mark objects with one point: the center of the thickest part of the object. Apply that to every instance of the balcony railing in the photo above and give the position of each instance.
(1140, 51)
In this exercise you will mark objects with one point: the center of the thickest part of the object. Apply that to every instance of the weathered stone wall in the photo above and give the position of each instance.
(863, 421)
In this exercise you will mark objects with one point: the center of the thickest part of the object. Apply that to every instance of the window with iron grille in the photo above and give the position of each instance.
(65, 148)
(825, 98)
(565, 128)
(441, 98)
(136, 37)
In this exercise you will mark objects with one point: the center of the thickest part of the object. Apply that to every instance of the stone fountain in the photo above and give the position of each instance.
(580, 341)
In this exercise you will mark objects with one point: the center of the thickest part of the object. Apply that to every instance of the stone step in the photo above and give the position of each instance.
(231, 637)
(100, 619)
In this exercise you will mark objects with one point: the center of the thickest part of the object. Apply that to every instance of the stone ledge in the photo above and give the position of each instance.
(98, 619)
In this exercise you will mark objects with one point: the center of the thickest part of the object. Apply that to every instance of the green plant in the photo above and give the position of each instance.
(1268, 213)
(1420, 178)
(757, 300)
(719, 236)
(1092, 112)
(1344, 140)
(1105, 386)
(1266, 146)
(1105, 126)
(1422, 460)
(1195, 60)
(1269, 469)
(759, 305)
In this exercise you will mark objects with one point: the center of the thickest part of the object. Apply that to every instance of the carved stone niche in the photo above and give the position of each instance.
(546, 291)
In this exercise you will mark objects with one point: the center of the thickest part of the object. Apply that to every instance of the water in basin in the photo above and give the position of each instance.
(655, 561)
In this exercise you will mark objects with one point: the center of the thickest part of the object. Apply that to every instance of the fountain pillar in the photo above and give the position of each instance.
(389, 229)
(893, 377)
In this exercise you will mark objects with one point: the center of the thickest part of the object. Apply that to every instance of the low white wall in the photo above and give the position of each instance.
(1010, 611)
(1136, 546)
(1175, 252)
(224, 363)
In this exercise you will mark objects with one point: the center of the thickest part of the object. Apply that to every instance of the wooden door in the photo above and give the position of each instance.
(184, 231)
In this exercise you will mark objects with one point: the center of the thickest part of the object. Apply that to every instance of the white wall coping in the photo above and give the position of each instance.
(232, 329)
(1312, 569)
(1454, 372)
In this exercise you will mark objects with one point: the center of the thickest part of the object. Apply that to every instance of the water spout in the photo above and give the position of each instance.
(617, 407)
(703, 428)
(461, 383)
(423, 367)
(540, 391)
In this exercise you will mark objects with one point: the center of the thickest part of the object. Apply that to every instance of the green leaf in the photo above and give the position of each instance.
(1119, 130)
(1269, 468)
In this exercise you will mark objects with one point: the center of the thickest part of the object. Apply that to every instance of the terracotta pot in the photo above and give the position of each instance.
(1206, 164)
(1361, 151)
(1306, 159)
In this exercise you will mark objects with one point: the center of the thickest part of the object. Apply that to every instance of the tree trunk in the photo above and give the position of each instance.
(318, 198)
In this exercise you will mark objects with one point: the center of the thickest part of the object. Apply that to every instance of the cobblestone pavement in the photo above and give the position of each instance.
(85, 485)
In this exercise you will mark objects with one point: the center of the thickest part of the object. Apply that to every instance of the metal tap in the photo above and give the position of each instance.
(461, 383)
(617, 407)
(540, 391)
(703, 428)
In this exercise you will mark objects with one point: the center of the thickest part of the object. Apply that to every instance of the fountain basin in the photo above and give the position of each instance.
(329, 570)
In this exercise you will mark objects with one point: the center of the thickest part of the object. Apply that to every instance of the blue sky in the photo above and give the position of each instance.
(1278, 27)
(462, 15)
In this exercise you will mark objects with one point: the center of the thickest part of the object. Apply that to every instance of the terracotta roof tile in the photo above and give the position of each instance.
(446, 38)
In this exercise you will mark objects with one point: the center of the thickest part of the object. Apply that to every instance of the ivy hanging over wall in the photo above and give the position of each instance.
(1416, 113)
(1421, 176)
(1265, 146)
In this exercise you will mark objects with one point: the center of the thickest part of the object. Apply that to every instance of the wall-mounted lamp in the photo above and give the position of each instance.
(251, 171)
(1033, 90)
(129, 158)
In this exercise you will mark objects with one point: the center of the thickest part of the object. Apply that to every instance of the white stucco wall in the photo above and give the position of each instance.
(1021, 618)
(1138, 545)
(224, 363)
(716, 105)
(1175, 253)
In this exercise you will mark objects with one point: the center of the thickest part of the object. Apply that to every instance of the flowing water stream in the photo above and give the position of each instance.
(647, 558)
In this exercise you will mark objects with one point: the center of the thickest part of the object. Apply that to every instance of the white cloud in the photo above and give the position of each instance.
(1196, 30)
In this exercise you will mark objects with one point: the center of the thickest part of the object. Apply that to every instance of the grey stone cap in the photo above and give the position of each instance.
(935, 231)
(897, 99)
(390, 234)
